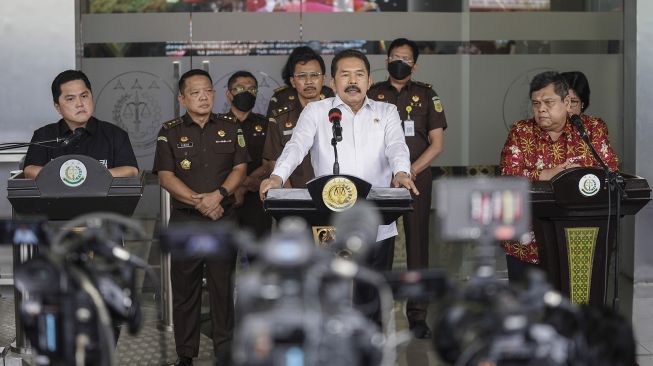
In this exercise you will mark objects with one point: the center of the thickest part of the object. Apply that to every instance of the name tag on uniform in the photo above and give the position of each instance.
(287, 132)
(409, 128)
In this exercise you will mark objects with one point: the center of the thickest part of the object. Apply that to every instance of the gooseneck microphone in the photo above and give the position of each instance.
(76, 135)
(578, 123)
(335, 115)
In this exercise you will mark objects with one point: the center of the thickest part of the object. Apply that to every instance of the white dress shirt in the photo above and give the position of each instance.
(373, 145)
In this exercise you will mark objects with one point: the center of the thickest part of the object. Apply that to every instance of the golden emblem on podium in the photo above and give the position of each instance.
(339, 194)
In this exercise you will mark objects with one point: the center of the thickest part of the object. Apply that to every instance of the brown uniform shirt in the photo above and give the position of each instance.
(283, 112)
(254, 128)
(202, 158)
(426, 110)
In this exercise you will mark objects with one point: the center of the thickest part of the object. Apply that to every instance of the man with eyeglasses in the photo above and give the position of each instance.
(304, 72)
(543, 146)
(242, 88)
(372, 148)
(423, 121)
(201, 160)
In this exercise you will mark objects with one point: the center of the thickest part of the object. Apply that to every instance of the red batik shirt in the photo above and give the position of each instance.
(529, 149)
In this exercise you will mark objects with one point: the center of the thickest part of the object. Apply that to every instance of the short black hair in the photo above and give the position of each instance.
(349, 53)
(578, 82)
(240, 74)
(301, 54)
(405, 42)
(544, 79)
(190, 73)
(64, 77)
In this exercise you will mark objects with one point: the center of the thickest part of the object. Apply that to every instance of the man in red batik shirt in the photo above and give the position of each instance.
(545, 145)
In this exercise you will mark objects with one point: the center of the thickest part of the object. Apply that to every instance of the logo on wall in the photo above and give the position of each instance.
(72, 173)
(516, 103)
(138, 102)
(589, 185)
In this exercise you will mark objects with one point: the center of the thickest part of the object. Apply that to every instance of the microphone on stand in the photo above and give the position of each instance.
(76, 135)
(335, 115)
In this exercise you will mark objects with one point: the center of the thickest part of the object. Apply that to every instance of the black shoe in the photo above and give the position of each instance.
(184, 361)
(420, 329)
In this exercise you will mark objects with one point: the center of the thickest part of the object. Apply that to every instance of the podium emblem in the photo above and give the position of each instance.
(72, 173)
(339, 194)
(589, 185)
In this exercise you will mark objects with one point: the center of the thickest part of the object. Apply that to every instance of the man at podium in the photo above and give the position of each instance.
(81, 133)
(543, 146)
(373, 147)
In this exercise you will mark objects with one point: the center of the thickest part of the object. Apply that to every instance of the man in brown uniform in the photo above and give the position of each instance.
(201, 160)
(242, 88)
(423, 121)
(304, 71)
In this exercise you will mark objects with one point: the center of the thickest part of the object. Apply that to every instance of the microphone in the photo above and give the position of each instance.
(335, 115)
(578, 123)
(356, 230)
(77, 133)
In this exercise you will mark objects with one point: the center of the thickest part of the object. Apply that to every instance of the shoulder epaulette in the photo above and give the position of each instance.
(282, 109)
(172, 123)
(259, 116)
(377, 84)
(226, 117)
(281, 88)
(426, 85)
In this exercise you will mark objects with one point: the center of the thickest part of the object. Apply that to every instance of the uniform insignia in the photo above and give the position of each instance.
(185, 164)
(241, 138)
(273, 99)
(281, 88)
(322, 96)
(291, 97)
(281, 110)
(172, 123)
(162, 138)
(183, 139)
(258, 128)
(381, 96)
(437, 105)
(409, 109)
(415, 98)
(221, 133)
(272, 120)
(426, 85)
(288, 124)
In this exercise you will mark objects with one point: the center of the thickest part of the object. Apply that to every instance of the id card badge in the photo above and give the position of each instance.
(409, 128)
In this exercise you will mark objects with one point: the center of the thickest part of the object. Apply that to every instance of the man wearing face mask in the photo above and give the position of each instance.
(242, 88)
(423, 122)
(304, 72)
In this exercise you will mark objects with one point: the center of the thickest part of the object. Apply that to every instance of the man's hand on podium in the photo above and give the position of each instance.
(402, 179)
(273, 182)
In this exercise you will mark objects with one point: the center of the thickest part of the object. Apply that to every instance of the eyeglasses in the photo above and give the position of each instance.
(239, 89)
(303, 76)
(405, 60)
(548, 103)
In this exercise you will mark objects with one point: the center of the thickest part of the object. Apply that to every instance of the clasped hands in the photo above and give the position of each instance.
(209, 204)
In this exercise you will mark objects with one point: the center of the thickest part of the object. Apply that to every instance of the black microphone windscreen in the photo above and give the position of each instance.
(335, 115)
(356, 228)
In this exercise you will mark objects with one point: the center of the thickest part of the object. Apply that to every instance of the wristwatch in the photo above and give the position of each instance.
(223, 191)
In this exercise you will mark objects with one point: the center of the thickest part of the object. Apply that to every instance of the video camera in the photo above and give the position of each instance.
(79, 286)
(294, 303)
(490, 323)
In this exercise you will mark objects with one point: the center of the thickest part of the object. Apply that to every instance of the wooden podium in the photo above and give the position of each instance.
(570, 220)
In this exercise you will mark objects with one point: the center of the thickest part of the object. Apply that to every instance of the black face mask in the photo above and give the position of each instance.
(244, 101)
(399, 70)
